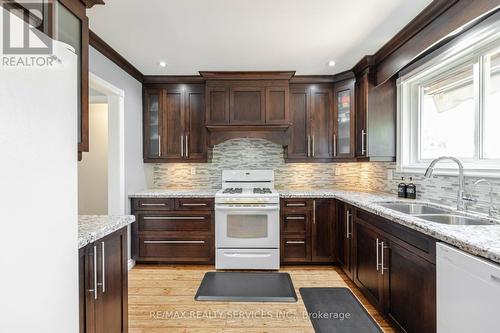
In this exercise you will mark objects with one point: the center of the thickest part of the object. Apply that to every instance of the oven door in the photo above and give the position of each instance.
(247, 226)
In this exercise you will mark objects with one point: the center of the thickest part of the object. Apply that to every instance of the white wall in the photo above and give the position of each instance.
(93, 169)
(135, 178)
(38, 198)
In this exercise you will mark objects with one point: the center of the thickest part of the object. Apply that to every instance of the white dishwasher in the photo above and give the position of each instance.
(468, 292)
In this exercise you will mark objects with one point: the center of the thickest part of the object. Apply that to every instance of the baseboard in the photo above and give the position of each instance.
(131, 264)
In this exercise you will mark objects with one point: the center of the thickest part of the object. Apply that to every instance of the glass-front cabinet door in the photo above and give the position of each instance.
(152, 130)
(343, 136)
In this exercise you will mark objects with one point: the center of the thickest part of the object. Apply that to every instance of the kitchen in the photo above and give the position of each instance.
(258, 177)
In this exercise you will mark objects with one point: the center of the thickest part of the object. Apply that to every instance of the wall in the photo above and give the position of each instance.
(93, 169)
(135, 170)
(38, 177)
(249, 153)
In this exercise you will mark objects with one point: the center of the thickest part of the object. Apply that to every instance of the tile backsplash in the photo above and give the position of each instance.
(250, 153)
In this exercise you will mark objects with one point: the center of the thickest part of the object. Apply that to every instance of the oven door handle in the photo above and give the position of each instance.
(243, 209)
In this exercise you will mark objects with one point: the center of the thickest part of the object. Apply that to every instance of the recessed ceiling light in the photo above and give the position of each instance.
(331, 63)
(163, 64)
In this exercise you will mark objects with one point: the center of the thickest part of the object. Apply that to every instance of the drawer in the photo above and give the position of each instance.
(295, 249)
(153, 204)
(287, 204)
(196, 249)
(295, 222)
(194, 204)
(175, 221)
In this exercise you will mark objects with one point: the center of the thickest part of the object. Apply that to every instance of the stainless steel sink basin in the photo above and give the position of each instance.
(453, 219)
(414, 208)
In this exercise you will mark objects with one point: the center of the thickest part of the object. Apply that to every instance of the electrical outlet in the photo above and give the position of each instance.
(337, 172)
(193, 171)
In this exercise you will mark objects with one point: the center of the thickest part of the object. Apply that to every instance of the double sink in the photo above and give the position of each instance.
(435, 214)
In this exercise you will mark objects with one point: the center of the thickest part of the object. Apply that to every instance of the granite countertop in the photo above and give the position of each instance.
(481, 240)
(175, 193)
(95, 227)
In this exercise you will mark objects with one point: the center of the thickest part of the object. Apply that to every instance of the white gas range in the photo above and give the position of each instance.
(247, 223)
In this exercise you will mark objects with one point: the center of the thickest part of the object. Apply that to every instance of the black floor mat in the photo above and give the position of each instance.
(246, 287)
(337, 310)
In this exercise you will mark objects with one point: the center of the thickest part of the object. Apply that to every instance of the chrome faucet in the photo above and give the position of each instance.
(461, 195)
(492, 211)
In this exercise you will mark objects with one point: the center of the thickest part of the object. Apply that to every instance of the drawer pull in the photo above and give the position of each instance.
(152, 204)
(295, 218)
(174, 242)
(174, 217)
(194, 204)
(295, 204)
(295, 242)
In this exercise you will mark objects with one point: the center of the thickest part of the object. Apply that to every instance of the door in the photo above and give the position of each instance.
(321, 123)
(217, 104)
(344, 237)
(112, 287)
(172, 124)
(343, 136)
(322, 230)
(88, 294)
(367, 271)
(247, 105)
(194, 135)
(153, 103)
(410, 283)
(277, 100)
(363, 86)
(298, 146)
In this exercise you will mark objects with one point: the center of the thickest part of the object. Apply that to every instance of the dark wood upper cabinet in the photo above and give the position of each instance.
(312, 123)
(247, 105)
(277, 105)
(217, 101)
(174, 126)
(298, 132)
(344, 120)
(363, 86)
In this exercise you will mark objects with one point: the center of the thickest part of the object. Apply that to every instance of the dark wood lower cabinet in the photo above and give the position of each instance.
(343, 214)
(173, 230)
(394, 267)
(307, 230)
(103, 283)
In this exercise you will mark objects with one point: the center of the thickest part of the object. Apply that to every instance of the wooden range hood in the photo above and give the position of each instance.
(247, 104)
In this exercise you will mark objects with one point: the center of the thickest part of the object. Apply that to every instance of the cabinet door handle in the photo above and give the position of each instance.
(174, 242)
(193, 204)
(308, 146)
(182, 145)
(295, 242)
(314, 211)
(382, 248)
(335, 145)
(95, 272)
(295, 218)
(295, 204)
(152, 204)
(313, 148)
(187, 145)
(347, 223)
(103, 262)
(376, 254)
(159, 145)
(363, 143)
(174, 217)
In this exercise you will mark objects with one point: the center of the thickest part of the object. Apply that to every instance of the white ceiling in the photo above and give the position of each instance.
(248, 35)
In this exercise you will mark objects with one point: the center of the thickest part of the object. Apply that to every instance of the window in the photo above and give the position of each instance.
(450, 106)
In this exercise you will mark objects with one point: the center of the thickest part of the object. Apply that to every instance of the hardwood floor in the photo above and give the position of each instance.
(159, 297)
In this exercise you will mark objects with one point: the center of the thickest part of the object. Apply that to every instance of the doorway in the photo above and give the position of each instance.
(101, 173)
